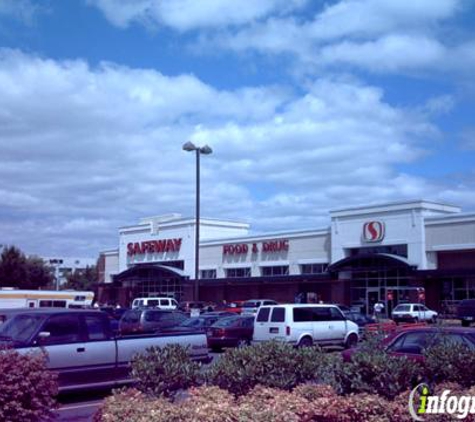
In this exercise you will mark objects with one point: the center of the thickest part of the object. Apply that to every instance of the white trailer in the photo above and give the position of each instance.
(12, 298)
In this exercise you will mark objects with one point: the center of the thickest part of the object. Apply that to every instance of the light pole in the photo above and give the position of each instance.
(189, 146)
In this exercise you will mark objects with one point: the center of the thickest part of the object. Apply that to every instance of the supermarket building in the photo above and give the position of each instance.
(396, 252)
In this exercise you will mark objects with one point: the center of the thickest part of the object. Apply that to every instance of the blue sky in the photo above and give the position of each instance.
(309, 106)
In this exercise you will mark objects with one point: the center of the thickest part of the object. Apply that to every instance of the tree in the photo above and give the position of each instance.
(82, 279)
(39, 275)
(16, 270)
(13, 267)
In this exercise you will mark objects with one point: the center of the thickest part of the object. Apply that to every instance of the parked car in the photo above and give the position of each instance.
(233, 331)
(343, 308)
(201, 306)
(165, 303)
(8, 313)
(305, 325)
(149, 320)
(82, 348)
(361, 320)
(413, 312)
(250, 307)
(219, 314)
(466, 312)
(234, 307)
(411, 342)
(114, 314)
(202, 322)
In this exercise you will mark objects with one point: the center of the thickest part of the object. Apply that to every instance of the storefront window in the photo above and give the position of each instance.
(238, 272)
(207, 273)
(400, 250)
(313, 268)
(275, 271)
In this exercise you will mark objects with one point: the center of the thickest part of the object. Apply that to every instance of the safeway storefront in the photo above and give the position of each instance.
(417, 250)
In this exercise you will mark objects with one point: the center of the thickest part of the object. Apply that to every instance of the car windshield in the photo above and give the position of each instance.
(225, 322)
(20, 328)
(252, 304)
(157, 316)
(193, 322)
(402, 308)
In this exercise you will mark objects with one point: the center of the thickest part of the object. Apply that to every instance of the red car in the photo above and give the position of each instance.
(233, 331)
(411, 342)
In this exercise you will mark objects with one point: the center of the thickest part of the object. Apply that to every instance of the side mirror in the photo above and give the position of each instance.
(42, 336)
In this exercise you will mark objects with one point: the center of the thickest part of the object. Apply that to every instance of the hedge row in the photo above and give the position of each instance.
(274, 381)
(262, 404)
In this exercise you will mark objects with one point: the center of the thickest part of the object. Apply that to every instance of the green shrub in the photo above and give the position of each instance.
(204, 404)
(27, 388)
(373, 371)
(164, 371)
(448, 361)
(262, 404)
(271, 364)
(131, 405)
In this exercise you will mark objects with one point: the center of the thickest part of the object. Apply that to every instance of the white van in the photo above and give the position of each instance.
(305, 325)
(251, 306)
(166, 303)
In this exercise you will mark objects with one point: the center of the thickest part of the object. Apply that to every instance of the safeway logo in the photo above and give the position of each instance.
(373, 231)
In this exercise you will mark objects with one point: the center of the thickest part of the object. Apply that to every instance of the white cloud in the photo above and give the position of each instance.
(184, 15)
(86, 150)
(23, 10)
(387, 54)
(368, 18)
(380, 36)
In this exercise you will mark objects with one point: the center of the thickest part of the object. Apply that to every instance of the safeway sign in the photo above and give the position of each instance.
(373, 231)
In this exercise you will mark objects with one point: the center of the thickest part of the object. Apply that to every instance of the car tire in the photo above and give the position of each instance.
(465, 324)
(216, 349)
(351, 341)
(305, 342)
(433, 320)
(416, 320)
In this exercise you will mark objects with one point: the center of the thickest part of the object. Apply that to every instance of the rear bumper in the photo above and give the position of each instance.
(216, 342)
(404, 318)
(467, 318)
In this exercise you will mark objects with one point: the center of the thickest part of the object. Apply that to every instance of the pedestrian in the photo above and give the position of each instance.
(378, 309)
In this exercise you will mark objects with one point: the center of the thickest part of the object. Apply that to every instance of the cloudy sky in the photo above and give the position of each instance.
(308, 105)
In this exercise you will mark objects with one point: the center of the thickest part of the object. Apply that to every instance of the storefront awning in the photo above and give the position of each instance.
(372, 262)
(139, 269)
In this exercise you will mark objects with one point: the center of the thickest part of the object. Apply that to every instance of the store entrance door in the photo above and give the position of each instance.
(372, 296)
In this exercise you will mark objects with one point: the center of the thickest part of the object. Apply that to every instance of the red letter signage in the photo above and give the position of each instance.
(154, 246)
(239, 249)
(276, 246)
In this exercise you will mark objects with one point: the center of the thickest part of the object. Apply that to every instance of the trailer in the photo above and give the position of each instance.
(13, 298)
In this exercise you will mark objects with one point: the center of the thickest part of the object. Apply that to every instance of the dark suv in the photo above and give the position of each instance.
(147, 320)
(466, 312)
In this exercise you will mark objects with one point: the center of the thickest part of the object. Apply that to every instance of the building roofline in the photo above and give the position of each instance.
(186, 221)
(397, 205)
(109, 252)
(444, 219)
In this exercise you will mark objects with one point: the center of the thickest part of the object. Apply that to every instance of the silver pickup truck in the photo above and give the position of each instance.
(82, 348)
